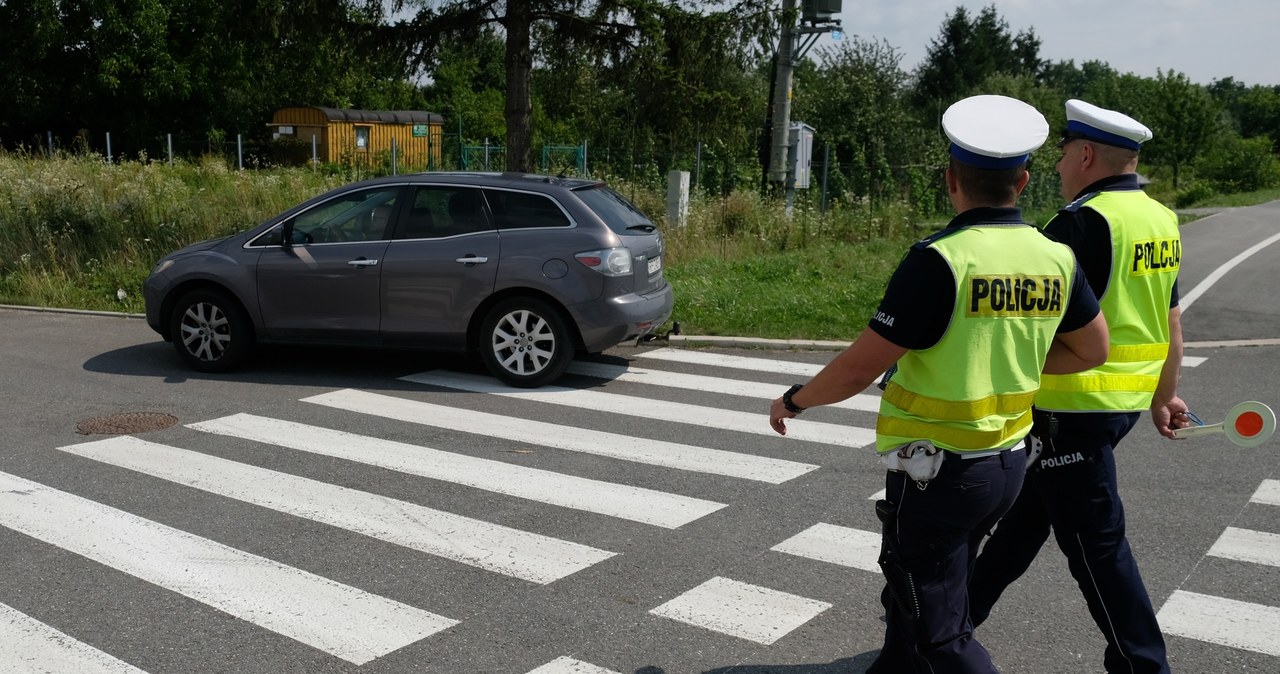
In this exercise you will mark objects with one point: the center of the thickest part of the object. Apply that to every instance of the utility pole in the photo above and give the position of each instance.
(779, 133)
(793, 42)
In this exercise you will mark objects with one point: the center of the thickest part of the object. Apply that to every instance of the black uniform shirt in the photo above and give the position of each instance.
(921, 295)
(1087, 233)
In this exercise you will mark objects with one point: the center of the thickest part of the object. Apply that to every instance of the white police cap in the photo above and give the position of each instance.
(993, 132)
(1086, 120)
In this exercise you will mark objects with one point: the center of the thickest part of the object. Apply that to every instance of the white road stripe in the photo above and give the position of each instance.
(338, 619)
(696, 382)
(1188, 299)
(606, 498)
(28, 646)
(600, 443)
(1193, 361)
(732, 362)
(1217, 620)
(567, 665)
(741, 610)
(1244, 545)
(878, 495)
(1268, 493)
(659, 410)
(845, 546)
(512, 552)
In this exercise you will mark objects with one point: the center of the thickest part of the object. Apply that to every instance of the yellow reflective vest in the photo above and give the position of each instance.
(973, 390)
(1146, 252)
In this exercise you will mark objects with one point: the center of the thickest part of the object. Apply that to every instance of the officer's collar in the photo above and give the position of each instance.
(987, 215)
(1124, 181)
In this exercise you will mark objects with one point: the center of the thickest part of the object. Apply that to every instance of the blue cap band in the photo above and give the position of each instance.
(982, 161)
(1094, 133)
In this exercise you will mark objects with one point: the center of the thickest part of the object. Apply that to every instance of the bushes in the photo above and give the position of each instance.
(1239, 165)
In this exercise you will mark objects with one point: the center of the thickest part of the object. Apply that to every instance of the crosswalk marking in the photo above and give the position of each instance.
(1268, 493)
(732, 362)
(28, 646)
(601, 443)
(512, 552)
(567, 665)
(845, 546)
(1243, 545)
(1193, 361)
(637, 504)
(696, 382)
(658, 410)
(1238, 624)
(742, 610)
(338, 619)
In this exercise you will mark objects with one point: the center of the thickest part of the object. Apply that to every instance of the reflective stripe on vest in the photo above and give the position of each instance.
(1146, 253)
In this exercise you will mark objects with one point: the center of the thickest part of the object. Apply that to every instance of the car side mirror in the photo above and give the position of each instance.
(286, 234)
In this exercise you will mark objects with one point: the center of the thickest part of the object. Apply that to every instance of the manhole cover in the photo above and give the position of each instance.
(126, 422)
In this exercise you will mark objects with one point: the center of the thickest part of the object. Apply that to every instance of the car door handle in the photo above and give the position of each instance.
(362, 262)
(472, 259)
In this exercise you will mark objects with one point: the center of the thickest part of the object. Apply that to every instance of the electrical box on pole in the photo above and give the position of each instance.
(819, 10)
(801, 155)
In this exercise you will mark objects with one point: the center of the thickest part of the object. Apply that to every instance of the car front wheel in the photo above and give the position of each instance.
(524, 342)
(210, 330)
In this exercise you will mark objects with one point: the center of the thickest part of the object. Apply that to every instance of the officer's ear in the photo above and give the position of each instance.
(1023, 180)
(953, 185)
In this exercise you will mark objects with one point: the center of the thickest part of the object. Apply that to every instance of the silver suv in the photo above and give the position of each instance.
(523, 270)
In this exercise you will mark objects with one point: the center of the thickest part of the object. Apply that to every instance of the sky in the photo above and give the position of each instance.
(1204, 39)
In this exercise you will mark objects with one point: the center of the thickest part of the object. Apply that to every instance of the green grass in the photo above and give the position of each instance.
(1239, 199)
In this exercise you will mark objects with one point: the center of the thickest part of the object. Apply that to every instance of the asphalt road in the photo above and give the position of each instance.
(631, 523)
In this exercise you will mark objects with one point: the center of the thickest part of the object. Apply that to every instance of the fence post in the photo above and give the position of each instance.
(315, 161)
(486, 154)
(170, 138)
(677, 198)
(394, 170)
(49, 137)
(826, 162)
(584, 158)
(108, 147)
(239, 151)
(697, 164)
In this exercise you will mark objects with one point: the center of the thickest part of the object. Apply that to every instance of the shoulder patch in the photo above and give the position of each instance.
(928, 240)
(1075, 205)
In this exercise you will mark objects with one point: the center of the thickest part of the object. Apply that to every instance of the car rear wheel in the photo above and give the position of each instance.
(524, 342)
(210, 330)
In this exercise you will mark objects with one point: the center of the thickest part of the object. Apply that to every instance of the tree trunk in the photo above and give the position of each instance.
(519, 111)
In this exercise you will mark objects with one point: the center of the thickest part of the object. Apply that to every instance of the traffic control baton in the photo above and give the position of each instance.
(1248, 424)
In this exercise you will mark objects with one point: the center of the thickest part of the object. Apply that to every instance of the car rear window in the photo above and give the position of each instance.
(619, 214)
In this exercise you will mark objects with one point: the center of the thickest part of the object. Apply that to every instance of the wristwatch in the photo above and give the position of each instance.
(786, 399)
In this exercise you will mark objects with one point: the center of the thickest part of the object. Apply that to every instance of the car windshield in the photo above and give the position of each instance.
(618, 213)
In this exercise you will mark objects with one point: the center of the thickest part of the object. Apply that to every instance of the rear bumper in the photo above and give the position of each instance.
(623, 318)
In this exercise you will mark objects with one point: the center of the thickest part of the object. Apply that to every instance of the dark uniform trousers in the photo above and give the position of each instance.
(1072, 490)
(932, 539)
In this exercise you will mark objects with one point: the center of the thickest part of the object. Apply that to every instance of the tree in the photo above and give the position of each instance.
(969, 50)
(855, 101)
(608, 30)
(1183, 118)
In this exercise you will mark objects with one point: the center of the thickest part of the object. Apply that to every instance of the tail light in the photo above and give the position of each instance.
(610, 261)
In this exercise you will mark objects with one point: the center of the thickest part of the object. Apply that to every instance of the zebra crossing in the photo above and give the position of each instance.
(360, 626)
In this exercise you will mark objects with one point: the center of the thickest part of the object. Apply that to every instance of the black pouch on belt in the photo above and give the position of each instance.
(1043, 424)
(902, 585)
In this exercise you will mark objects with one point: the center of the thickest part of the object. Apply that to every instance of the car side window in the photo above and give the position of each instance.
(355, 216)
(438, 211)
(523, 210)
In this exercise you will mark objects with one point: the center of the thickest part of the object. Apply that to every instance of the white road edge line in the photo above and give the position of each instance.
(1186, 300)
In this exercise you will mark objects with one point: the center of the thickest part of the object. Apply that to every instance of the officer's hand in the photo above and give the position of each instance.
(778, 414)
(1170, 416)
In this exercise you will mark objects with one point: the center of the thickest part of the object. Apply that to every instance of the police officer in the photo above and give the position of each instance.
(1128, 246)
(970, 327)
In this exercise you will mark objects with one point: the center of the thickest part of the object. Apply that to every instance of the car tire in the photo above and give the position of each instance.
(210, 330)
(524, 342)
